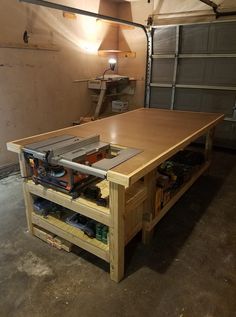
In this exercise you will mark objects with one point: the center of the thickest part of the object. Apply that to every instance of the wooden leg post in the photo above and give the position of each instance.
(27, 196)
(209, 144)
(99, 104)
(117, 231)
(28, 207)
(149, 206)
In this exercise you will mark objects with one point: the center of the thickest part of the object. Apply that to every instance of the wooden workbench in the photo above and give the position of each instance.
(159, 134)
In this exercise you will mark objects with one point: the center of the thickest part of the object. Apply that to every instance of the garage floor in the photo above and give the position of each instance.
(188, 270)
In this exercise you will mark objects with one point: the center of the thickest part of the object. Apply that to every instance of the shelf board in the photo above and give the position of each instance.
(42, 47)
(81, 205)
(150, 225)
(116, 24)
(135, 195)
(118, 53)
(73, 235)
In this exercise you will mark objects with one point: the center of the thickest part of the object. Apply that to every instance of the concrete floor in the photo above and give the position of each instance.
(188, 270)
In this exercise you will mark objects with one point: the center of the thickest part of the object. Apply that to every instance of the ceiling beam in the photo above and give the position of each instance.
(61, 7)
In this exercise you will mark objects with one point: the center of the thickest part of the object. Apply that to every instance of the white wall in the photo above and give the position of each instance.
(37, 93)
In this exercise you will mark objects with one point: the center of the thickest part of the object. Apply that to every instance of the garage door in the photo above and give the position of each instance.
(194, 68)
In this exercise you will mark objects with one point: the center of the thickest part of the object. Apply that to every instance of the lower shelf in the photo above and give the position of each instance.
(73, 235)
(150, 225)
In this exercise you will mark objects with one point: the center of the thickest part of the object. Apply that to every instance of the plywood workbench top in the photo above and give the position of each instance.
(158, 133)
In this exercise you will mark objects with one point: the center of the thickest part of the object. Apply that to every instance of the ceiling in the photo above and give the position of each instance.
(184, 4)
(184, 11)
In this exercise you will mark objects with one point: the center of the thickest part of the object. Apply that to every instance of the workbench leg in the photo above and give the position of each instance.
(99, 104)
(147, 236)
(117, 231)
(28, 207)
(27, 196)
(149, 205)
(209, 144)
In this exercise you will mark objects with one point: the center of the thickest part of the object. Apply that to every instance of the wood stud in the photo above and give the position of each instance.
(117, 231)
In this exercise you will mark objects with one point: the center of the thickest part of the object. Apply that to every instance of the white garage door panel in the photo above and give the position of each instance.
(205, 100)
(222, 37)
(197, 73)
(164, 40)
(160, 98)
(194, 40)
(191, 71)
(210, 71)
(162, 70)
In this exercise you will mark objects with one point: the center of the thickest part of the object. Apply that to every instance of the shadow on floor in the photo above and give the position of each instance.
(174, 229)
(89, 257)
(172, 232)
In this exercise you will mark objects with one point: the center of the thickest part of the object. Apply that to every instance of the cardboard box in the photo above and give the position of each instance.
(119, 106)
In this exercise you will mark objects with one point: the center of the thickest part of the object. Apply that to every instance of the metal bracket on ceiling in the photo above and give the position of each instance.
(215, 8)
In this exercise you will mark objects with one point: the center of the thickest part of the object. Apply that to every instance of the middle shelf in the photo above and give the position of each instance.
(135, 195)
(80, 205)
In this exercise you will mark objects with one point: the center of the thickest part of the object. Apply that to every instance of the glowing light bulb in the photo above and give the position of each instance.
(112, 62)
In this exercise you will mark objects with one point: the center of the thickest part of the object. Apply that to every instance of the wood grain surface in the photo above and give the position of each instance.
(158, 133)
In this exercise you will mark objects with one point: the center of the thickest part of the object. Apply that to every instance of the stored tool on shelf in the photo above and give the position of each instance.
(94, 193)
(69, 163)
(45, 207)
(174, 173)
(89, 227)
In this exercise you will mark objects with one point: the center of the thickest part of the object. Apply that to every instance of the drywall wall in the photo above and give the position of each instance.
(37, 92)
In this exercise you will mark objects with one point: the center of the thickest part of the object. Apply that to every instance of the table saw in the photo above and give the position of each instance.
(68, 163)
